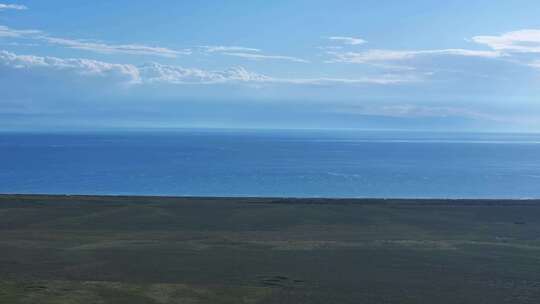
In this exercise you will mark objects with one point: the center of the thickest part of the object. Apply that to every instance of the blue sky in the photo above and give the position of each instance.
(408, 65)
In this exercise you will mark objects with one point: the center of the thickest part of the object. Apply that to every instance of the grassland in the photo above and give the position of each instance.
(83, 249)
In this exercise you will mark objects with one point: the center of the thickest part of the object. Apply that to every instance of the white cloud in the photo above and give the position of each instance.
(249, 53)
(391, 55)
(152, 73)
(461, 52)
(125, 73)
(147, 73)
(535, 64)
(99, 47)
(252, 56)
(12, 7)
(220, 48)
(508, 45)
(332, 47)
(348, 40)
(159, 73)
(378, 80)
(13, 43)
(12, 33)
(419, 111)
(522, 41)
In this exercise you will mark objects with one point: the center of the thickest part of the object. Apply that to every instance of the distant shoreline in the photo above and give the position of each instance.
(277, 199)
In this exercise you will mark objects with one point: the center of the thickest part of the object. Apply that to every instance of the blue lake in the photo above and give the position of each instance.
(273, 163)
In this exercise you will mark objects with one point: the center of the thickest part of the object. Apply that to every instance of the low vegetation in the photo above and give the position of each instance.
(77, 249)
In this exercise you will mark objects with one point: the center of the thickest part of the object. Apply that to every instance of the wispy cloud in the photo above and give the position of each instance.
(18, 7)
(252, 56)
(372, 56)
(126, 73)
(14, 43)
(249, 53)
(522, 41)
(221, 48)
(420, 111)
(535, 64)
(348, 40)
(92, 46)
(149, 73)
(330, 48)
(388, 79)
(13, 33)
(99, 47)
(152, 73)
(159, 73)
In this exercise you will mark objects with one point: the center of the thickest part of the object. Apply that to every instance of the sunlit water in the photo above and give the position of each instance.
(273, 163)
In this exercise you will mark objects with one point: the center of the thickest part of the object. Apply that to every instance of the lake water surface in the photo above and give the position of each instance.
(273, 163)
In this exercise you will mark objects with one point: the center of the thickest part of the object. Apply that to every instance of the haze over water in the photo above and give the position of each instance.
(273, 163)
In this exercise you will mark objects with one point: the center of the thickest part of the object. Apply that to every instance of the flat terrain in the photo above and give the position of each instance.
(76, 249)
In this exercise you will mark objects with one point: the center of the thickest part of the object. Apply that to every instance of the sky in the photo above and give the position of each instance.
(377, 65)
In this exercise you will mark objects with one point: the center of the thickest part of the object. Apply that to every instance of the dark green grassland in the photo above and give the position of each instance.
(200, 250)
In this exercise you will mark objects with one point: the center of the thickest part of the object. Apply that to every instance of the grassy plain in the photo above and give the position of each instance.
(89, 249)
